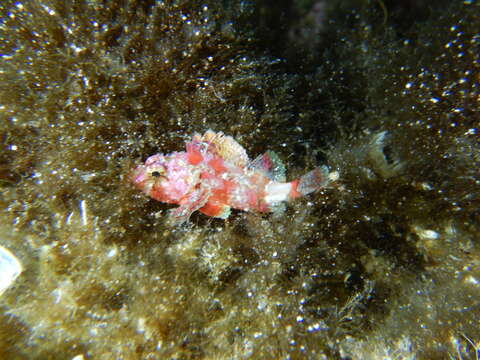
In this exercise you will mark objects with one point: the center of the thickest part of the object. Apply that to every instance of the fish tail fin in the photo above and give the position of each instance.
(312, 181)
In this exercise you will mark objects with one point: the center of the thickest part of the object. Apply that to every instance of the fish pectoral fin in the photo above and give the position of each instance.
(179, 215)
(215, 209)
(196, 200)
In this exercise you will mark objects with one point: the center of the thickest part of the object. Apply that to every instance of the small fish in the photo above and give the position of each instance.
(214, 174)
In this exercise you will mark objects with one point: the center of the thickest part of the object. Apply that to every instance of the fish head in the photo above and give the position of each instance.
(150, 175)
(166, 178)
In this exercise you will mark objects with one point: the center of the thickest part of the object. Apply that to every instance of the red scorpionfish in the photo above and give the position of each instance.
(214, 175)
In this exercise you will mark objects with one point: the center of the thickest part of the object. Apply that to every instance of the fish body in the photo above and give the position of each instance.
(214, 174)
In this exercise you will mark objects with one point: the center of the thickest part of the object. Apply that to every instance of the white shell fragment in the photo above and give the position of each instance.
(10, 268)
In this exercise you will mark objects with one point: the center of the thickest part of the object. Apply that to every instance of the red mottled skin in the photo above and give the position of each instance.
(212, 176)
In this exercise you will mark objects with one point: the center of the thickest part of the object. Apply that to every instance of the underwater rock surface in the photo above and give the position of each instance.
(385, 265)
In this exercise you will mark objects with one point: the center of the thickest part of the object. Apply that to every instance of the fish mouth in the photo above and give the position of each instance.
(139, 176)
(142, 180)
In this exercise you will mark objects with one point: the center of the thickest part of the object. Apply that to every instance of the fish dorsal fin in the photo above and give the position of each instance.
(270, 165)
(224, 146)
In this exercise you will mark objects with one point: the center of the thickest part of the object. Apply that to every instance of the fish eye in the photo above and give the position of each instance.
(156, 174)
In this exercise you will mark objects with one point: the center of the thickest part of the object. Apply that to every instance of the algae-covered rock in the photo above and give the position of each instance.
(382, 264)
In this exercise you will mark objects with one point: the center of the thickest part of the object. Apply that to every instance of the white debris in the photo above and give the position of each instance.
(427, 233)
(83, 212)
(333, 176)
(10, 268)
